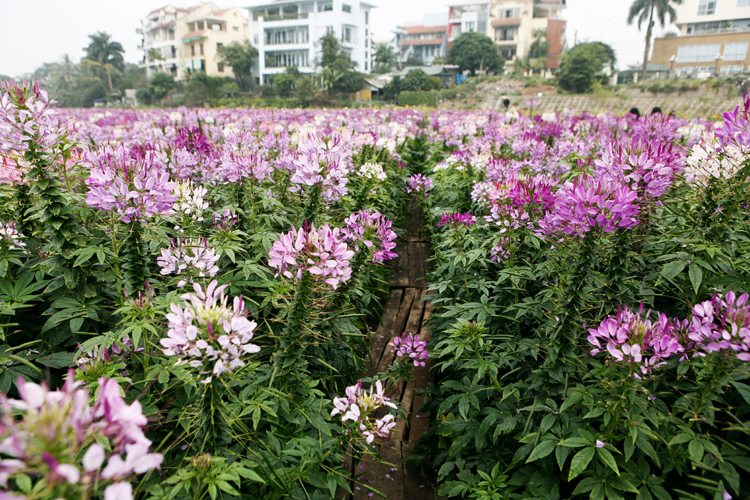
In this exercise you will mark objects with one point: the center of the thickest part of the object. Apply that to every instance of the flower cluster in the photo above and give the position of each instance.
(58, 427)
(321, 162)
(189, 257)
(358, 404)
(419, 184)
(369, 228)
(717, 325)
(634, 338)
(321, 252)
(190, 202)
(207, 334)
(587, 204)
(723, 325)
(134, 186)
(409, 346)
(10, 238)
(372, 170)
(457, 219)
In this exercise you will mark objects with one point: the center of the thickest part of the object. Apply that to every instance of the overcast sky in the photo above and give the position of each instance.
(36, 31)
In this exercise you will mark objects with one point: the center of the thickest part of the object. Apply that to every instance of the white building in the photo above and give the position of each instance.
(160, 45)
(286, 33)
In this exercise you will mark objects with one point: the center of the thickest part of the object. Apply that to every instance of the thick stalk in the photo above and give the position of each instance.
(135, 260)
(648, 42)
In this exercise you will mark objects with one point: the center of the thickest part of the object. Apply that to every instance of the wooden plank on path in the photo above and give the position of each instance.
(419, 482)
(399, 432)
(400, 271)
(381, 359)
(380, 336)
(392, 481)
(366, 472)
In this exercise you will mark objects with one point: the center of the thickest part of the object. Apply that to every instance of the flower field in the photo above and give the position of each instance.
(190, 300)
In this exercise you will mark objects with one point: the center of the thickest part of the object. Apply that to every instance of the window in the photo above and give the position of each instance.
(367, 17)
(346, 8)
(349, 34)
(731, 69)
(509, 13)
(325, 6)
(735, 51)
(470, 26)
(201, 49)
(220, 68)
(191, 27)
(706, 7)
(218, 46)
(506, 33)
(508, 53)
(216, 27)
(743, 3)
(192, 50)
(255, 39)
(365, 65)
(329, 29)
(698, 53)
(235, 28)
(456, 31)
(199, 25)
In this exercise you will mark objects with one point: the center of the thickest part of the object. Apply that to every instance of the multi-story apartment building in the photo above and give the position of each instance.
(286, 33)
(512, 24)
(160, 45)
(424, 41)
(714, 37)
(178, 41)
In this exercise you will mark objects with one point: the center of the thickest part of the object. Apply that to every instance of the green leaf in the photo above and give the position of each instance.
(575, 442)
(680, 438)
(542, 450)
(574, 398)
(672, 269)
(580, 461)
(24, 483)
(744, 390)
(608, 459)
(561, 454)
(696, 450)
(57, 360)
(547, 422)
(696, 276)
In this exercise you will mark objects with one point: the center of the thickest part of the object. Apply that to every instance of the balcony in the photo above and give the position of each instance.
(284, 17)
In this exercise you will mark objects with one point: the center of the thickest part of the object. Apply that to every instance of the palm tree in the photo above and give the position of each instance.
(102, 50)
(65, 72)
(645, 9)
(384, 55)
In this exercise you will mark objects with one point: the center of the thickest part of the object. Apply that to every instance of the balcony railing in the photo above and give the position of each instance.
(717, 31)
(284, 17)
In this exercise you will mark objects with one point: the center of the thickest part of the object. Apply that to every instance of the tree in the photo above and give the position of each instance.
(106, 52)
(579, 66)
(305, 91)
(240, 57)
(160, 84)
(285, 83)
(539, 49)
(474, 51)
(333, 56)
(417, 79)
(384, 55)
(413, 60)
(645, 10)
(392, 89)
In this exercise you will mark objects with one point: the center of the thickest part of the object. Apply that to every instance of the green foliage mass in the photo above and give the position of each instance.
(474, 51)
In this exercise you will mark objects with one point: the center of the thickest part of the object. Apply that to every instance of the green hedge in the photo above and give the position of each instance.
(417, 98)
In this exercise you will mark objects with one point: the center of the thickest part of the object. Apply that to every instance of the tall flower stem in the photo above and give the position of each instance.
(290, 354)
(135, 259)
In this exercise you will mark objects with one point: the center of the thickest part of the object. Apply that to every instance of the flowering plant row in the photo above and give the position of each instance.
(590, 291)
(217, 270)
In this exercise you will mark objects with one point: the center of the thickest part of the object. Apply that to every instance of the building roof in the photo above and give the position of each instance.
(414, 30)
(162, 25)
(195, 34)
(431, 41)
(177, 9)
(282, 2)
(508, 21)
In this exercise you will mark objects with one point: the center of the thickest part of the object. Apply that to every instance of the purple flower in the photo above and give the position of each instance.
(209, 335)
(189, 258)
(419, 184)
(457, 219)
(321, 252)
(370, 228)
(722, 325)
(358, 404)
(136, 188)
(410, 346)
